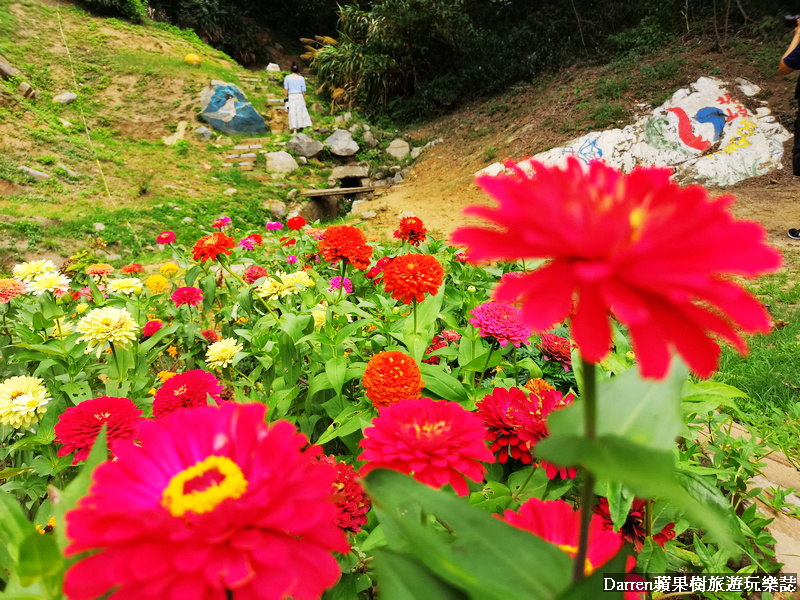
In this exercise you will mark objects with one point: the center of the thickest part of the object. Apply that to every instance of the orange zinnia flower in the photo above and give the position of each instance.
(411, 276)
(346, 243)
(390, 377)
(212, 246)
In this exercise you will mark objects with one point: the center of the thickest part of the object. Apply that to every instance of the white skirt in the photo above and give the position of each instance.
(298, 113)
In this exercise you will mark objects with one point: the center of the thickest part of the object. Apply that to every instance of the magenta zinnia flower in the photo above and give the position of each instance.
(79, 426)
(166, 237)
(557, 348)
(503, 413)
(151, 328)
(214, 503)
(639, 247)
(254, 273)
(221, 222)
(500, 321)
(438, 442)
(187, 295)
(336, 283)
(189, 389)
(274, 226)
(247, 243)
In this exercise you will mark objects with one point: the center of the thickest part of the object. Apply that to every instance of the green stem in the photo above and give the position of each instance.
(414, 312)
(116, 362)
(587, 491)
(515, 496)
(341, 281)
(479, 376)
(648, 518)
(516, 368)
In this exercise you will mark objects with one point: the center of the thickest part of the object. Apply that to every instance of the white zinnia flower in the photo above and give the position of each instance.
(221, 353)
(128, 286)
(107, 325)
(49, 282)
(28, 270)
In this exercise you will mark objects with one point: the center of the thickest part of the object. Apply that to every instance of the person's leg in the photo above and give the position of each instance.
(796, 146)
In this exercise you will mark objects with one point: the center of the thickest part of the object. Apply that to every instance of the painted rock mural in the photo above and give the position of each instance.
(706, 133)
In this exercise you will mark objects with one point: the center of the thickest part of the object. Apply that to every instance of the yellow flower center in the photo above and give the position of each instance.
(588, 568)
(204, 486)
(430, 430)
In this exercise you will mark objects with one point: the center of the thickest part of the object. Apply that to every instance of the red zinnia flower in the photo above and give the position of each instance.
(437, 342)
(633, 530)
(257, 238)
(556, 348)
(186, 390)
(502, 414)
(555, 521)
(532, 425)
(411, 230)
(187, 295)
(10, 289)
(350, 497)
(438, 442)
(296, 223)
(411, 276)
(346, 243)
(254, 273)
(151, 328)
(391, 376)
(166, 237)
(211, 246)
(134, 268)
(214, 503)
(639, 247)
(287, 241)
(376, 272)
(500, 321)
(210, 335)
(80, 425)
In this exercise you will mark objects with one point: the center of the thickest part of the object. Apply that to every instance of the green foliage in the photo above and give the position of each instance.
(133, 10)
(608, 113)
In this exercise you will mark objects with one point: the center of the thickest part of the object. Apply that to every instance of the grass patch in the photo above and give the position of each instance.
(608, 113)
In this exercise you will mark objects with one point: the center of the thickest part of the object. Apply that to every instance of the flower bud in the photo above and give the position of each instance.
(471, 289)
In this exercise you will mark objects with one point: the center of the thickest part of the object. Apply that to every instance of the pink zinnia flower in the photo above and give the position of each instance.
(291, 259)
(500, 321)
(166, 237)
(213, 503)
(274, 226)
(438, 442)
(462, 257)
(450, 335)
(247, 243)
(151, 328)
(190, 389)
(210, 335)
(187, 295)
(336, 283)
(254, 273)
(79, 426)
(656, 256)
(221, 222)
(557, 348)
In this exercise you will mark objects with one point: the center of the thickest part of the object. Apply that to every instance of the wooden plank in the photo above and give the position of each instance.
(249, 141)
(336, 191)
(245, 167)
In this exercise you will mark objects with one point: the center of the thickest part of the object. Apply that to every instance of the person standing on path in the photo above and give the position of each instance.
(790, 62)
(294, 86)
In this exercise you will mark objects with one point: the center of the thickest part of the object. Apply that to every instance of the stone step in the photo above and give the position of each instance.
(250, 141)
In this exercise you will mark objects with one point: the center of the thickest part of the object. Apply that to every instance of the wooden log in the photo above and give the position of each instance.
(336, 191)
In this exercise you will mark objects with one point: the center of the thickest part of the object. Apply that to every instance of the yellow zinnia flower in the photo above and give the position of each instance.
(168, 269)
(107, 325)
(157, 284)
(23, 400)
(221, 353)
(172, 351)
(127, 286)
(165, 375)
(60, 329)
(285, 284)
(48, 282)
(29, 270)
(82, 308)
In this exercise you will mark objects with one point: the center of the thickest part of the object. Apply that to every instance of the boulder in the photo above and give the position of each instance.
(225, 108)
(341, 143)
(320, 209)
(415, 152)
(27, 91)
(230, 191)
(37, 175)
(398, 149)
(398, 178)
(65, 98)
(304, 145)
(281, 162)
(349, 171)
(203, 133)
(99, 227)
(370, 140)
(6, 70)
(277, 210)
(273, 67)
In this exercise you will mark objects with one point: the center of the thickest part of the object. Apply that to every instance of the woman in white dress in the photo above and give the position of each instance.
(294, 86)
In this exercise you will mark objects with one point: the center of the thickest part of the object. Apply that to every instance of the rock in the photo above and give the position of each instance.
(292, 194)
(69, 172)
(225, 108)
(277, 210)
(281, 162)
(366, 127)
(323, 130)
(365, 181)
(99, 227)
(381, 183)
(493, 169)
(317, 108)
(343, 118)
(404, 172)
(273, 67)
(320, 209)
(65, 98)
(394, 169)
(226, 141)
(406, 213)
(230, 191)
(341, 143)
(398, 178)
(179, 134)
(203, 133)
(354, 129)
(415, 152)
(302, 160)
(368, 214)
(304, 145)
(349, 171)
(398, 149)
(6, 70)
(188, 220)
(378, 175)
(66, 123)
(355, 205)
(370, 140)
(37, 175)
(26, 90)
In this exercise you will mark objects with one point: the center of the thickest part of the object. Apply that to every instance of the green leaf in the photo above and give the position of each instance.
(536, 486)
(620, 500)
(402, 577)
(483, 556)
(652, 559)
(442, 384)
(14, 527)
(10, 472)
(493, 498)
(534, 370)
(39, 557)
(336, 369)
(348, 421)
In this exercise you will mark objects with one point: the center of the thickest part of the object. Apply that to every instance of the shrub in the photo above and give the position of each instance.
(133, 10)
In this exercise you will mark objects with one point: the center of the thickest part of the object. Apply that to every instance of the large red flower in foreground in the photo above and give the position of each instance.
(346, 243)
(639, 247)
(80, 425)
(211, 246)
(213, 504)
(555, 521)
(391, 376)
(438, 442)
(189, 389)
(411, 276)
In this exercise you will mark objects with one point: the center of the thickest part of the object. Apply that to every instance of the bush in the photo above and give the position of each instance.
(133, 10)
